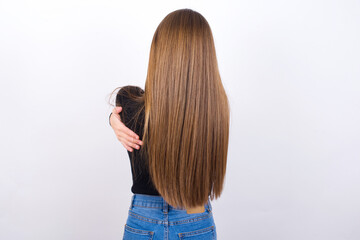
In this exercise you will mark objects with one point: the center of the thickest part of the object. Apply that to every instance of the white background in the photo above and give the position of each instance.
(291, 70)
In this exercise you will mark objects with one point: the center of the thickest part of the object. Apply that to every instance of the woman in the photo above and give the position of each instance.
(182, 118)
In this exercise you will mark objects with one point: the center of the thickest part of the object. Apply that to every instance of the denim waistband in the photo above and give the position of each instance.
(153, 201)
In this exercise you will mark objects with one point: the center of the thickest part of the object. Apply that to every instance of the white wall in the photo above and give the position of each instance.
(291, 70)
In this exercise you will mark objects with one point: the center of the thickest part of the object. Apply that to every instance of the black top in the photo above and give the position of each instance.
(142, 183)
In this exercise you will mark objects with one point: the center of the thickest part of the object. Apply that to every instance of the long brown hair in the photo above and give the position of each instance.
(187, 114)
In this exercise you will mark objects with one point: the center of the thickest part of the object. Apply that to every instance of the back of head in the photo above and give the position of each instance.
(187, 112)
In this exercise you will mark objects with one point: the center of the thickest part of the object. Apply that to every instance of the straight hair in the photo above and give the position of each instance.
(187, 113)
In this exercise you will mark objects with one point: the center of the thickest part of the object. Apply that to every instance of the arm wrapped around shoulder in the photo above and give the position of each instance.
(130, 98)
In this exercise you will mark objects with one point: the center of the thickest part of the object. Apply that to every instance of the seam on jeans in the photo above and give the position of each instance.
(145, 219)
(139, 231)
(190, 220)
(196, 232)
(146, 206)
(148, 201)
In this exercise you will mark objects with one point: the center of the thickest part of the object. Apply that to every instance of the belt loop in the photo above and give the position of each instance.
(209, 205)
(165, 206)
(131, 202)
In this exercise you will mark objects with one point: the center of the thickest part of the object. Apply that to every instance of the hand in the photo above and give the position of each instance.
(127, 137)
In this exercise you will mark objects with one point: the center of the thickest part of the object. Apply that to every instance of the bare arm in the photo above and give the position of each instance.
(127, 137)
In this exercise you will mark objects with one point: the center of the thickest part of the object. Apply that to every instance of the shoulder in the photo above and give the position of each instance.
(130, 89)
(125, 94)
(130, 99)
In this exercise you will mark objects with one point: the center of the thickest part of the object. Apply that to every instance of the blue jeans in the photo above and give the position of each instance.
(151, 217)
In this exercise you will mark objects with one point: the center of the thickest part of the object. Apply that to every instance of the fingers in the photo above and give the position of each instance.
(130, 140)
(130, 134)
(129, 143)
(118, 109)
(127, 147)
(122, 128)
